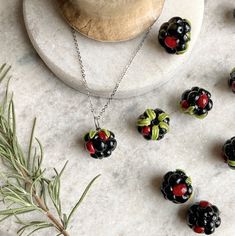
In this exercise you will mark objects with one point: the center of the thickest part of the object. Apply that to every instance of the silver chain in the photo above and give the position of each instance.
(125, 69)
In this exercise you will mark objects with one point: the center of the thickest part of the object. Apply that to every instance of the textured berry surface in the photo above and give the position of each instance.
(100, 143)
(176, 186)
(231, 81)
(197, 102)
(174, 35)
(203, 217)
(229, 152)
(153, 124)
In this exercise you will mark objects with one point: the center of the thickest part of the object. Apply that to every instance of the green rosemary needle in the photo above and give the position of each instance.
(24, 187)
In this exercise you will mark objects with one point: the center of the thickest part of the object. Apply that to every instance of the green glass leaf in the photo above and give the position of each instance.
(233, 70)
(92, 134)
(188, 181)
(164, 125)
(201, 116)
(151, 114)
(190, 110)
(144, 122)
(189, 22)
(189, 35)
(155, 132)
(163, 116)
(231, 163)
(106, 132)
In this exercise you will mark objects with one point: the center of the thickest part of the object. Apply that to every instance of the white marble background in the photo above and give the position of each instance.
(126, 200)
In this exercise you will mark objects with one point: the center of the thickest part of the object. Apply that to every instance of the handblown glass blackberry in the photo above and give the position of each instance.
(100, 143)
(153, 124)
(229, 152)
(197, 102)
(231, 81)
(177, 186)
(175, 35)
(203, 218)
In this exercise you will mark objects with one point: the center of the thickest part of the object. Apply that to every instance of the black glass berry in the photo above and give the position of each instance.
(229, 152)
(197, 102)
(153, 124)
(175, 35)
(177, 186)
(231, 81)
(203, 217)
(100, 143)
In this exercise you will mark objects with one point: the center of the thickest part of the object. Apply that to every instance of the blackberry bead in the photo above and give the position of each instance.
(153, 124)
(100, 143)
(231, 81)
(229, 152)
(177, 186)
(175, 35)
(196, 102)
(203, 217)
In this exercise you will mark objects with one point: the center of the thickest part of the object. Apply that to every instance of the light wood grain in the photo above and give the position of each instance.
(111, 20)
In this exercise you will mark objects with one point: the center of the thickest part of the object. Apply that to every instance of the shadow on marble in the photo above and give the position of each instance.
(173, 103)
(156, 184)
(222, 83)
(216, 151)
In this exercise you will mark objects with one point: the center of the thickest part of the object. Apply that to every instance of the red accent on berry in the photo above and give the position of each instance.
(233, 86)
(204, 204)
(171, 42)
(146, 130)
(185, 104)
(202, 101)
(90, 147)
(179, 190)
(199, 230)
(102, 135)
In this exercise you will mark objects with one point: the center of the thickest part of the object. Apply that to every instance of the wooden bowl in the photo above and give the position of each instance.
(111, 20)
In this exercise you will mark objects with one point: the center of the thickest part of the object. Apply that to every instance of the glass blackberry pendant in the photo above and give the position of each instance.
(100, 143)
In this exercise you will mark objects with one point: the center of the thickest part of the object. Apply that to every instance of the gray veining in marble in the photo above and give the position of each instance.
(126, 200)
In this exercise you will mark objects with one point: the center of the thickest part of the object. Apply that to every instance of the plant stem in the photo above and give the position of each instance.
(59, 226)
(51, 217)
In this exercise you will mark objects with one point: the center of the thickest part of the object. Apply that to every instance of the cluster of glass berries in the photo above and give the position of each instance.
(197, 102)
(100, 143)
(153, 124)
(177, 186)
(175, 35)
(202, 217)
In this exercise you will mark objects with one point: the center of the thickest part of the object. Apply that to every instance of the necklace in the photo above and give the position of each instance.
(101, 142)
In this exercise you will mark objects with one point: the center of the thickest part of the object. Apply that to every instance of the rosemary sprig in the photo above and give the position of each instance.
(25, 187)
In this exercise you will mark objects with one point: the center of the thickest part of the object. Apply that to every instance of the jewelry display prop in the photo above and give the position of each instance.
(114, 21)
(153, 67)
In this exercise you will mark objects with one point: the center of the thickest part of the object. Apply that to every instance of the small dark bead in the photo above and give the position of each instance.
(99, 145)
(86, 137)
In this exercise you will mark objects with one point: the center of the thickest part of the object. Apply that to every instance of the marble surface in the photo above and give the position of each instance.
(104, 62)
(126, 200)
